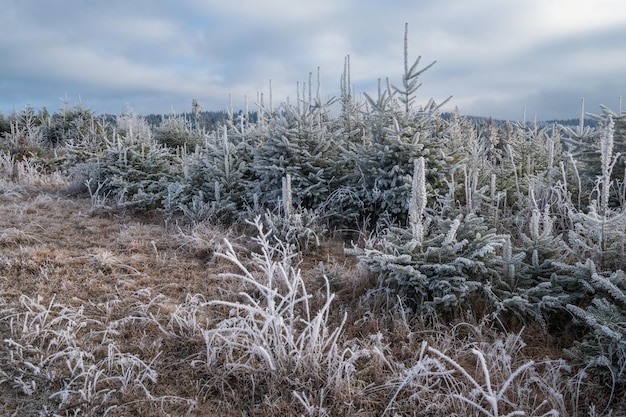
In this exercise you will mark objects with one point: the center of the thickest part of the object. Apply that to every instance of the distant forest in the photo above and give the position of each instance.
(208, 120)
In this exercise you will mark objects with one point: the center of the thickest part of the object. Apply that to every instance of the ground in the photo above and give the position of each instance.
(106, 312)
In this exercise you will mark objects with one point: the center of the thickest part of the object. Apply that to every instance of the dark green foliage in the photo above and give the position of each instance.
(72, 125)
(133, 172)
(177, 132)
(296, 142)
(603, 349)
(213, 179)
(454, 267)
(5, 125)
(531, 283)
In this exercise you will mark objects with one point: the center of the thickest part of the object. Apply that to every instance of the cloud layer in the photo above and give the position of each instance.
(496, 58)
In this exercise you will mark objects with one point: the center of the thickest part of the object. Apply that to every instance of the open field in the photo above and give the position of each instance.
(107, 313)
(355, 257)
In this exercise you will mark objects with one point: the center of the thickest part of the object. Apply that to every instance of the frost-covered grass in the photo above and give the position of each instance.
(117, 316)
(69, 362)
(26, 172)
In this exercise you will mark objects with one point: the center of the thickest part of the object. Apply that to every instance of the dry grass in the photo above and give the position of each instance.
(114, 315)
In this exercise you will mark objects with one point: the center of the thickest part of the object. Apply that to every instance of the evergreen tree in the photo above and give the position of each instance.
(583, 158)
(132, 171)
(74, 124)
(5, 125)
(295, 142)
(177, 132)
(23, 140)
(603, 348)
(214, 177)
(439, 264)
(395, 132)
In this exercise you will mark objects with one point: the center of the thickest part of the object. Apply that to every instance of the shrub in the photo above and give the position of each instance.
(176, 132)
(133, 172)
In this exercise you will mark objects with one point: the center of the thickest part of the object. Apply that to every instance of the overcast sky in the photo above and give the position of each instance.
(495, 57)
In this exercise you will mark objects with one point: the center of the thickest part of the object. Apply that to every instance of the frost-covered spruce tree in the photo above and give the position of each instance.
(350, 120)
(82, 136)
(81, 155)
(75, 124)
(129, 123)
(349, 130)
(132, 171)
(177, 132)
(528, 167)
(603, 348)
(23, 136)
(213, 177)
(533, 283)
(599, 233)
(469, 176)
(584, 155)
(440, 263)
(600, 237)
(295, 141)
(396, 131)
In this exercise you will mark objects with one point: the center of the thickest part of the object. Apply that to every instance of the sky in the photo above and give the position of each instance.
(496, 58)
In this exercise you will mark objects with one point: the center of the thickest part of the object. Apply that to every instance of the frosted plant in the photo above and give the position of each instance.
(216, 173)
(60, 355)
(395, 131)
(171, 199)
(410, 77)
(603, 349)
(490, 377)
(532, 284)
(593, 154)
(298, 143)
(312, 410)
(23, 137)
(75, 125)
(27, 172)
(598, 232)
(303, 229)
(99, 200)
(287, 199)
(134, 172)
(486, 392)
(350, 119)
(177, 132)
(129, 122)
(199, 208)
(423, 377)
(608, 161)
(418, 200)
(599, 237)
(274, 329)
(457, 263)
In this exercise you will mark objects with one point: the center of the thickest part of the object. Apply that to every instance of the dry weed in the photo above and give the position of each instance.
(106, 315)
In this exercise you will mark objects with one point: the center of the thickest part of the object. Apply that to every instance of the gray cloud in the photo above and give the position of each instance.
(496, 58)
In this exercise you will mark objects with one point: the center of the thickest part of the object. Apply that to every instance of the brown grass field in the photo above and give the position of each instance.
(108, 313)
